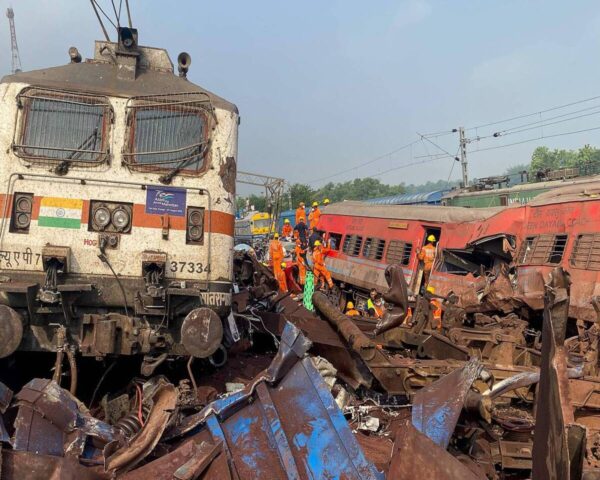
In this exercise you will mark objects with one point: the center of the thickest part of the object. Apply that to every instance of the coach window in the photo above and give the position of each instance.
(398, 252)
(352, 244)
(168, 133)
(543, 249)
(63, 127)
(335, 240)
(586, 252)
(373, 248)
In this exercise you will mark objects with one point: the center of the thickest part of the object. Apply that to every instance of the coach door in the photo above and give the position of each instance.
(422, 277)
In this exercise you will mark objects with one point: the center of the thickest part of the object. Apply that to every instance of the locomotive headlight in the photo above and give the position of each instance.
(102, 217)
(195, 233)
(121, 218)
(23, 204)
(22, 220)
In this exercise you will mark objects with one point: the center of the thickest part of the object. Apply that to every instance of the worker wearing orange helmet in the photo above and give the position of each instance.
(276, 254)
(300, 255)
(319, 269)
(427, 256)
(435, 310)
(314, 216)
(287, 229)
(351, 311)
(300, 212)
(280, 275)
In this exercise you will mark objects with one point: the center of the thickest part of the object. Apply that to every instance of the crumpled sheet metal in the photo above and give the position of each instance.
(51, 421)
(559, 443)
(436, 408)
(285, 425)
(16, 465)
(119, 457)
(416, 456)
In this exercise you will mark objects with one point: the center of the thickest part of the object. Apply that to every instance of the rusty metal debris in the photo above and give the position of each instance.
(341, 397)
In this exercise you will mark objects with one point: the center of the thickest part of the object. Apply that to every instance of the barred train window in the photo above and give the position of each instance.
(63, 126)
(399, 252)
(167, 132)
(586, 253)
(352, 244)
(373, 248)
(542, 249)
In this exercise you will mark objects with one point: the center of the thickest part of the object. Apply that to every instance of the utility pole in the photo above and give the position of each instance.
(463, 157)
(14, 48)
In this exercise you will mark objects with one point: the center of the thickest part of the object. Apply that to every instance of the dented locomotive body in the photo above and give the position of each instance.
(496, 261)
(118, 184)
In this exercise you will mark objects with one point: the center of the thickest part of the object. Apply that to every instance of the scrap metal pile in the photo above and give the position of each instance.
(335, 397)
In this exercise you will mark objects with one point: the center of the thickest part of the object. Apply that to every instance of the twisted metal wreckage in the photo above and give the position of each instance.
(341, 399)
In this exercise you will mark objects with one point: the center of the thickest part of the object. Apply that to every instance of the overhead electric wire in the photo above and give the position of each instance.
(369, 162)
(434, 144)
(558, 107)
(104, 13)
(512, 132)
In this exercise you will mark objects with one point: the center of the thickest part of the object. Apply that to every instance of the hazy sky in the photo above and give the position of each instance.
(323, 86)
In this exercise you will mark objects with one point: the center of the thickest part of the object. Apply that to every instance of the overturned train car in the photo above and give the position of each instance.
(117, 206)
(494, 260)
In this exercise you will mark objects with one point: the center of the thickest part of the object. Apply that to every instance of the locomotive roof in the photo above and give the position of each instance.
(99, 76)
(583, 191)
(426, 213)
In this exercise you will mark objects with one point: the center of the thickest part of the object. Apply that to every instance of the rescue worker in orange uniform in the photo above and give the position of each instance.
(280, 275)
(351, 311)
(300, 254)
(287, 229)
(427, 256)
(300, 212)
(314, 216)
(374, 306)
(319, 269)
(276, 254)
(435, 310)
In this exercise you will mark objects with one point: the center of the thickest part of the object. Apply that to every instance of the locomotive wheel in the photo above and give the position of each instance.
(11, 331)
(201, 332)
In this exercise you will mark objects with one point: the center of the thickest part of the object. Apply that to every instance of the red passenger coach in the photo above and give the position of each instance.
(369, 237)
(495, 260)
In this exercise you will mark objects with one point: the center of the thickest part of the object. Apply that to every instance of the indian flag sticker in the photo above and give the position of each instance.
(60, 212)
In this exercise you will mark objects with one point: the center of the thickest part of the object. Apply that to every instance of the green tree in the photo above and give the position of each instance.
(301, 193)
(521, 167)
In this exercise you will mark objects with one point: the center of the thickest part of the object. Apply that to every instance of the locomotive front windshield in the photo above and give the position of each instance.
(63, 127)
(169, 138)
(264, 223)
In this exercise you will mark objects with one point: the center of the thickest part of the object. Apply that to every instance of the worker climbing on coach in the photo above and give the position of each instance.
(300, 252)
(314, 216)
(427, 256)
(287, 231)
(300, 213)
(351, 311)
(375, 304)
(276, 254)
(301, 230)
(319, 269)
(435, 310)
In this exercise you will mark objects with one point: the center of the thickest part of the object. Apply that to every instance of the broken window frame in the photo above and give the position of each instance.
(196, 103)
(352, 245)
(74, 154)
(337, 238)
(593, 251)
(396, 257)
(544, 249)
(373, 248)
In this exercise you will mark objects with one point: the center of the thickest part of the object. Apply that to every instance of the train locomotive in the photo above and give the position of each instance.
(117, 207)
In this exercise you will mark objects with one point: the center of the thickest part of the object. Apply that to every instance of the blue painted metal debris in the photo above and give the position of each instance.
(284, 425)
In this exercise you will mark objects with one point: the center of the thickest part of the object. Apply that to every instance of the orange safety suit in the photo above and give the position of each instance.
(276, 253)
(408, 318)
(436, 317)
(280, 276)
(427, 255)
(353, 312)
(300, 213)
(371, 305)
(287, 230)
(319, 269)
(300, 262)
(313, 218)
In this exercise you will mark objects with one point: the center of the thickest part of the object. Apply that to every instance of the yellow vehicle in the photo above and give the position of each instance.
(114, 238)
(254, 224)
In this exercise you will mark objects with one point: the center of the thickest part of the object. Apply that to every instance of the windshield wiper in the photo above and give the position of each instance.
(168, 177)
(63, 167)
